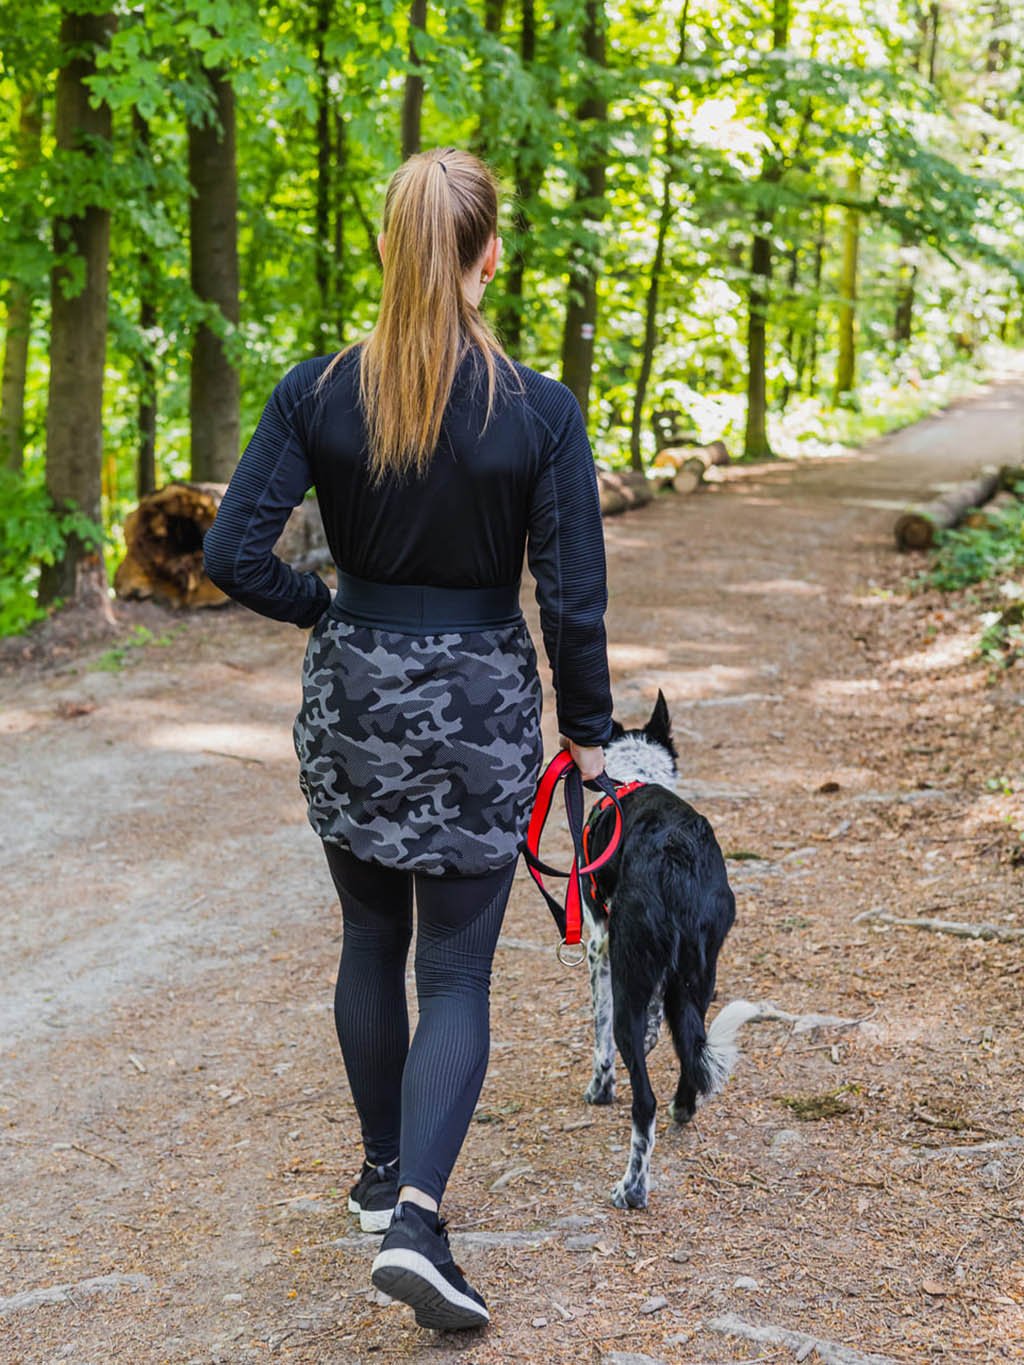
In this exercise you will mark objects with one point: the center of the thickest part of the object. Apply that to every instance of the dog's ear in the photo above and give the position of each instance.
(617, 731)
(659, 727)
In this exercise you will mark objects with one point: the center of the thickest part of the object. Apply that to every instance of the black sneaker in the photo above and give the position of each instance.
(374, 1196)
(415, 1265)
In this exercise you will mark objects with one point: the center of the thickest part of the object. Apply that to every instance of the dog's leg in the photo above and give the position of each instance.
(630, 1035)
(655, 1014)
(601, 1089)
(686, 1024)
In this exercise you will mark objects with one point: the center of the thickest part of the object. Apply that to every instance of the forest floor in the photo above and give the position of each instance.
(178, 1139)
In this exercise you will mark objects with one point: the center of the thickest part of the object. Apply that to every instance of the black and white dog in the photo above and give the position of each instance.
(662, 911)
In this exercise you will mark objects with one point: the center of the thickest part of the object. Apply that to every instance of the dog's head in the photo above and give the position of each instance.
(645, 754)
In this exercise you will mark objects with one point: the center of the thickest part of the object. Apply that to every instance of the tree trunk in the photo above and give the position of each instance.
(755, 440)
(528, 175)
(19, 305)
(584, 264)
(412, 104)
(78, 326)
(846, 360)
(812, 336)
(324, 162)
(657, 267)
(213, 216)
(341, 286)
(145, 472)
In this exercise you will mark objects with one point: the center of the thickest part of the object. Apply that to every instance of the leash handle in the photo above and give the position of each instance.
(568, 917)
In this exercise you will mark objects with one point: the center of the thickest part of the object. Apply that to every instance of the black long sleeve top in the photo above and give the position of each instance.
(527, 482)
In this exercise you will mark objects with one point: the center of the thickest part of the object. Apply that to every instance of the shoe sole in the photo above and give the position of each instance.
(371, 1220)
(406, 1275)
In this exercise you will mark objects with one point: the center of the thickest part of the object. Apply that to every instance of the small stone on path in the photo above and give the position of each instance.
(654, 1305)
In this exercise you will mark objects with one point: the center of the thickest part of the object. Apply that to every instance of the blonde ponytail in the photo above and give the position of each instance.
(440, 208)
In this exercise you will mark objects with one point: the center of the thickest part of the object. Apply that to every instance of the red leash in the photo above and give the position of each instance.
(569, 918)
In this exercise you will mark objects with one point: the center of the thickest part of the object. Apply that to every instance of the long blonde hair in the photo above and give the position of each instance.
(440, 208)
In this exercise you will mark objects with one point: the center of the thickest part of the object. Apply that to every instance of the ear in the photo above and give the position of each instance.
(617, 731)
(659, 727)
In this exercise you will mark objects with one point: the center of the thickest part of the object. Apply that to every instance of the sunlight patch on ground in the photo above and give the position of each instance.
(636, 656)
(796, 587)
(948, 652)
(828, 690)
(237, 740)
(18, 720)
(691, 684)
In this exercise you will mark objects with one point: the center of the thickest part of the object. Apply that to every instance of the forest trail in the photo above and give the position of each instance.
(178, 1138)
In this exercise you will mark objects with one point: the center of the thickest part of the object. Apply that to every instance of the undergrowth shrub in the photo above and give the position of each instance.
(993, 556)
(32, 533)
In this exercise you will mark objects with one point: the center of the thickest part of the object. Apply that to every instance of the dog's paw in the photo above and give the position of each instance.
(601, 1090)
(629, 1195)
(681, 1113)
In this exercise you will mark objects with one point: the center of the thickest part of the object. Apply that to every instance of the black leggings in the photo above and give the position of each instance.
(415, 1101)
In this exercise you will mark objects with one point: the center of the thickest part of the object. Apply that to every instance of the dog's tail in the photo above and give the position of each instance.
(718, 1056)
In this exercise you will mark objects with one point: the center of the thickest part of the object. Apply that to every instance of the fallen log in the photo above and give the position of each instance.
(621, 489)
(164, 544)
(916, 528)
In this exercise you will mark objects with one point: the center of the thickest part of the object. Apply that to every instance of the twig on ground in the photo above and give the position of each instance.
(1003, 933)
(831, 1352)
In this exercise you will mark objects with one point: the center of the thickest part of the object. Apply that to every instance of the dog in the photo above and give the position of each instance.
(662, 909)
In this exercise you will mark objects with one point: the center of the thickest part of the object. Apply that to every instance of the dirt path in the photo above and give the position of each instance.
(178, 1138)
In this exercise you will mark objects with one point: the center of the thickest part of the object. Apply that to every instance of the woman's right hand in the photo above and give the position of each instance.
(590, 761)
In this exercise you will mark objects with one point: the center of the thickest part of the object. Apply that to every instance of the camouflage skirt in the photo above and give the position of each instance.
(420, 751)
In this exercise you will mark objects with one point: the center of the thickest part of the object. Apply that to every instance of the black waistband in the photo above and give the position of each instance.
(414, 608)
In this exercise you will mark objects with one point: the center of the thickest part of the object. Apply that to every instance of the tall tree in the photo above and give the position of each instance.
(755, 439)
(19, 303)
(658, 264)
(412, 102)
(78, 308)
(145, 469)
(590, 207)
(846, 355)
(213, 235)
(529, 174)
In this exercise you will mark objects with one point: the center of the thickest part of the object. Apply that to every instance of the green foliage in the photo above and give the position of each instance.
(113, 660)
(32, 533)
(992, 556)
(975, 555)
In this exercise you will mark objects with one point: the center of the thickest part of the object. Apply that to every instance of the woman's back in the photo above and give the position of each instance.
(464, 523)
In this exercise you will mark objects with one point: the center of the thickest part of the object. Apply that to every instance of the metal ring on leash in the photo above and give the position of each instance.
(570, 961)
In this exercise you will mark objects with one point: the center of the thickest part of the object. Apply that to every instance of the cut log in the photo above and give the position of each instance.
(675, 456)
(164, 543)
(689, 476)
(622, 489)
(987, 518)
(916, 528)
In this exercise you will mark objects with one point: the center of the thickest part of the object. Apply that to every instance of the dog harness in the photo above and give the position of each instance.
(569, 917)
(603, 805)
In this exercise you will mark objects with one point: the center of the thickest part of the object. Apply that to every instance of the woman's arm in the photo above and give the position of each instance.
(271, 479)
(565, 552)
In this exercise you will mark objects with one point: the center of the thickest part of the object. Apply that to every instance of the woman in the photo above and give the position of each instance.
(436, 461)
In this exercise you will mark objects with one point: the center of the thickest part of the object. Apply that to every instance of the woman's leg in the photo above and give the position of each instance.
(370, 1012)
(458, 921)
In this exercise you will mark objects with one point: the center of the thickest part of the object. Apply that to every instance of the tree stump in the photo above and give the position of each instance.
(164, 541)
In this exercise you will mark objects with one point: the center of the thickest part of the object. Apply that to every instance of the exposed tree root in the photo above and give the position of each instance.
(803, 1343)
(1004, 933)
